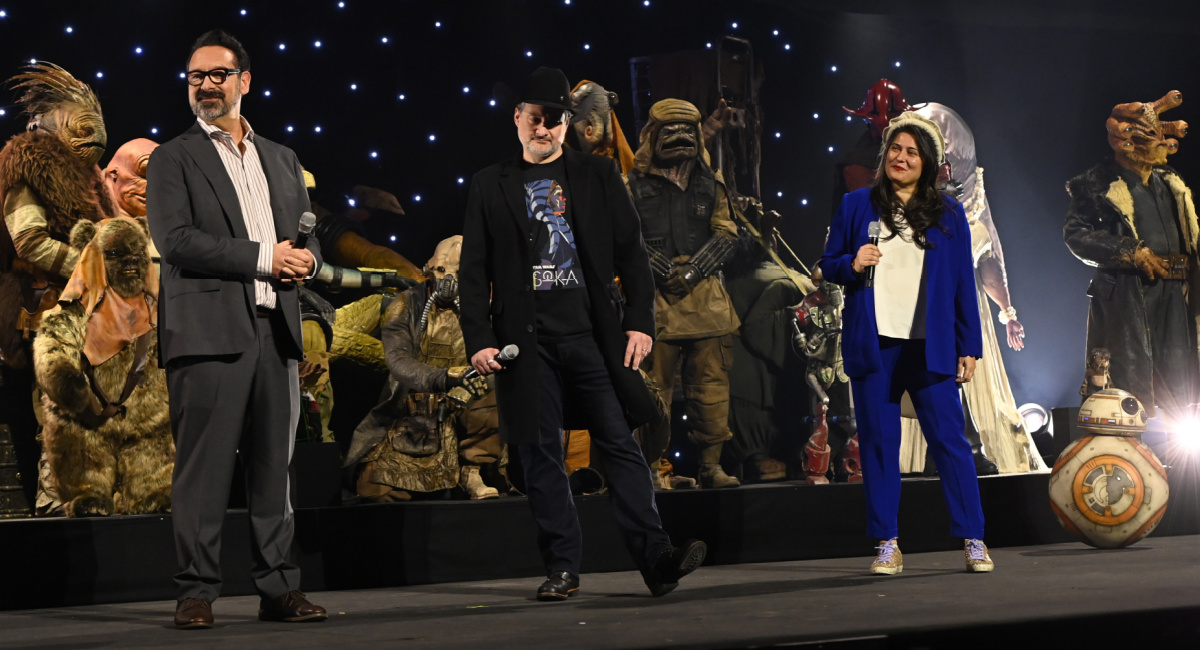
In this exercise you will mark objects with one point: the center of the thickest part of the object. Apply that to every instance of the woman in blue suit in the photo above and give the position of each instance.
(916, 330)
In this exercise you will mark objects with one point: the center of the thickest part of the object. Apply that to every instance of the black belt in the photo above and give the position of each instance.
(264, 312)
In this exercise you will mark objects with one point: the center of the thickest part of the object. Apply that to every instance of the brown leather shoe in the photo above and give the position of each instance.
(193, 613)
(292, 607)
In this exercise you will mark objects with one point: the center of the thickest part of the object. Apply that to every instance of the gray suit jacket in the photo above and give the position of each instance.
(209, 263)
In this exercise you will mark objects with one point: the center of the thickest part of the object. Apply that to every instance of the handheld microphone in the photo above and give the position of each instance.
(873, 229)
(509, 353)
(308, 221)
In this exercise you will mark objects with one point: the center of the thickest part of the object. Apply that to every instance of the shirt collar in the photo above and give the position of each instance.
(214, 130)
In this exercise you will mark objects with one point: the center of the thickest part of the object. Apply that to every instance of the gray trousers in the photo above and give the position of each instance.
(223, 407)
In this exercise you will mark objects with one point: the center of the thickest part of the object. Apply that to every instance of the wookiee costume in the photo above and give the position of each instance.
(689, 233)
(434, 427)
(1133, 218)
(48, 181)
(108, 432)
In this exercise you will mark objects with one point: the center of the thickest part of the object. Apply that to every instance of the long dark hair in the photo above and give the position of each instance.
(925, 208)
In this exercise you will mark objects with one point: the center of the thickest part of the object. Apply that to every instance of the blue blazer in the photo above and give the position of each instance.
(952, 327)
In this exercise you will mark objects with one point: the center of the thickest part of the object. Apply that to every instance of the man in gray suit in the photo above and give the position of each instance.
(224, 206)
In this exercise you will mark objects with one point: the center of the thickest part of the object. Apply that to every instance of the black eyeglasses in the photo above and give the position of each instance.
(218, 75)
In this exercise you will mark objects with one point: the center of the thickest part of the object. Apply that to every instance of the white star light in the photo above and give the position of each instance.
(290, 128)
(3, 14)
(282, 46)
(775, 32)
(137, 50)
(383, 40)
(99, 75)
(816, 115)
(154, 130)
(778, 134)
(2, 111)
(787, 46)
(417, 198)
(708, 45)
(342, 5)
(491, 102)
(266, 93)
(432, 137)
(586, 46)
(353, 86)
(70, 30)
(833, 68)
(897, 64)
(831, 150)
(438, 24)
(460, 180)
(182, 75)
(374, 154)
(803, 201)
(735, 25)
(466, 89)
(528, 53)
(401, 97)
(243, 12)
(317, 44)
(779, 194)
(350, 201)
(393, 238)
(847, 118)
(317, 128)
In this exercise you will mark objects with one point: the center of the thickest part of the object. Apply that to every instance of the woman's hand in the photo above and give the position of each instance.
(966, 369)
(868, 255)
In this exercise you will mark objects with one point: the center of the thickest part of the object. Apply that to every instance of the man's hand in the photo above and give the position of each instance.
(484, 362)
(1016, 335)
(868, 255)
(1151, 265)
(966, 369)
(290, 264)
(637, 348)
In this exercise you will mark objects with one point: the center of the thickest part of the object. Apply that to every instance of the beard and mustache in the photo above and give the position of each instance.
(211, 105)
(542, 147)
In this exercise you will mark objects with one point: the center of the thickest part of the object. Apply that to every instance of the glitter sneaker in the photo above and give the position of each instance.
(978, 560)
(889, 561)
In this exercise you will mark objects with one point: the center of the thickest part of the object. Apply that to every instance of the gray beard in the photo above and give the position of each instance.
(536, 154)
(211, 115)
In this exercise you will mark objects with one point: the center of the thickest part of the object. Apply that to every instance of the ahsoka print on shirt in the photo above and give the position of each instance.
(558, 260)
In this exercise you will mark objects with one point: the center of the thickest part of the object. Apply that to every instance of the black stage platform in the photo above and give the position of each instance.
(64, 562)
(1049, 596)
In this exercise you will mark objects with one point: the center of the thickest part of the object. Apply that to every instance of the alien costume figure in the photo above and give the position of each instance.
(435, 426)
(1133, 219)
(689, 232)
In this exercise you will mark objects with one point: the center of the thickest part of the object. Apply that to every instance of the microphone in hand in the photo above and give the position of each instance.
(873, 229)
(509, 353)
(308, 221)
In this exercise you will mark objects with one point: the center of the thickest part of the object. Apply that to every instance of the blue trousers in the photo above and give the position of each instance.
(935, 396)
(577, 366)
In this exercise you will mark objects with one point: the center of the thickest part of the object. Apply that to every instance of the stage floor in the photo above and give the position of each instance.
(1038, 595)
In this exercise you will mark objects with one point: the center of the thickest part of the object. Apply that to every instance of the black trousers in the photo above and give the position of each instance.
(221, 407)
(576, 367)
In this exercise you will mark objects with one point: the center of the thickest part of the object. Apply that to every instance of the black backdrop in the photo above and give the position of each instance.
(1035, 80)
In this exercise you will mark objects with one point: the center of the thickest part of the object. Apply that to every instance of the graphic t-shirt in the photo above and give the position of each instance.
(560, 291)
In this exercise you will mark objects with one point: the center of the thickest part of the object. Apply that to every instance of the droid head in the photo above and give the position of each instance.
(1112, 412)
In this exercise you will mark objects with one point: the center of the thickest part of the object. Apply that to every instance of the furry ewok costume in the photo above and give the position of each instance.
(49, 181)
(107, 434)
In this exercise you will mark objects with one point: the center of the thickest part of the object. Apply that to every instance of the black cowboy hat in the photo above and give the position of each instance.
(546, 87)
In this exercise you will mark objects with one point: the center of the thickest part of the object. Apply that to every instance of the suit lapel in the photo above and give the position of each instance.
(200, 147)
(512, 185)
(286, 225)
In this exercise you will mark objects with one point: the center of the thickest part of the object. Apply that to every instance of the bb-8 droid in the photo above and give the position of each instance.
(1109, 489)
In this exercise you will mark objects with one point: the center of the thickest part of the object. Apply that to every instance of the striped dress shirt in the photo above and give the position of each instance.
(250, 183)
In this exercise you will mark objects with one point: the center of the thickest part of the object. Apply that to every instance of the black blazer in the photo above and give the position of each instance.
(495, 263)
(206, 300)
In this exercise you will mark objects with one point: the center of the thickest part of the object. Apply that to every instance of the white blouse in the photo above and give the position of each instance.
(900, 284)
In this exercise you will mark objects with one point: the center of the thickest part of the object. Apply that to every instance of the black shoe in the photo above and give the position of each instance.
(983, 465)
(673, 564)
(561, 585)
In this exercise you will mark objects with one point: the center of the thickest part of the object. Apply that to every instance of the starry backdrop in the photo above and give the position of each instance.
(398, 95)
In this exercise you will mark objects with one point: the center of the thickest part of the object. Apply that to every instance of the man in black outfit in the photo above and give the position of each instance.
(545, 237)
(224, 207)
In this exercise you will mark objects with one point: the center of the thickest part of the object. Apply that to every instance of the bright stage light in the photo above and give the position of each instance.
(1035, 416)
(1186, 434)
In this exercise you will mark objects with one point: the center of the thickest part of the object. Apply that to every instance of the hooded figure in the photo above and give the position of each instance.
(689, 231)
(434, 426)
(108, 433)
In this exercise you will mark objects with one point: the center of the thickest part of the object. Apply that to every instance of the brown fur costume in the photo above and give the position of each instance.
(66, 188)
(125, 464)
